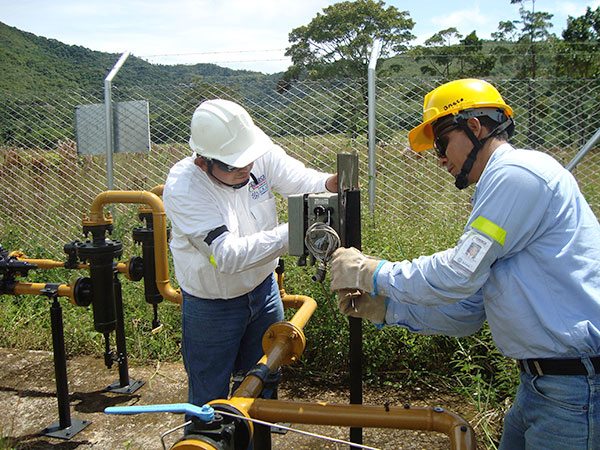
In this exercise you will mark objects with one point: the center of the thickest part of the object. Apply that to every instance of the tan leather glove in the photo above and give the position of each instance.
(353, 303)
(350, 269)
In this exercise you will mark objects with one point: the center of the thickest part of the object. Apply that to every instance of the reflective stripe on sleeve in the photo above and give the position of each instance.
(490, 229)
(213, 234)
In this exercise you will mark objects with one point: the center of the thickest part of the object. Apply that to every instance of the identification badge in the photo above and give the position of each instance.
(471, 251)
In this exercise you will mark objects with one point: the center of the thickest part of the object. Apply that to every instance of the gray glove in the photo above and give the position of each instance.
(350, 269)
(353, 303)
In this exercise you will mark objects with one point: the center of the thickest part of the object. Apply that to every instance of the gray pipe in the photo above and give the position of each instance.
(586, 148)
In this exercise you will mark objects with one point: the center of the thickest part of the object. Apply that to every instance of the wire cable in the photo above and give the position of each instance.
(321, 241)
(306, 433)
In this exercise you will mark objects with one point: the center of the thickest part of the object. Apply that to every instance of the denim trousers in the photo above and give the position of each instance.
(555, 412)
(221, 337)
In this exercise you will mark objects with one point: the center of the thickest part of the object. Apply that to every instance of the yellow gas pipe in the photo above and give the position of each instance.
(452, 425)
(24, 288)
(52, 264)
(283, 343)
(97, 217)
(64, 290)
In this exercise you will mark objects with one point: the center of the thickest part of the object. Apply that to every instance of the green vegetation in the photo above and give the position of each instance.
(33, 63)
(313, 122)
(338, 42)
(392, 356)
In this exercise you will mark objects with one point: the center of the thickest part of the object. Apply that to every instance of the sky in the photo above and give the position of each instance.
(240, 34)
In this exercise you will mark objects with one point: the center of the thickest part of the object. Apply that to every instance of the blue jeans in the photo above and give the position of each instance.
(551, 412)
(222, 337)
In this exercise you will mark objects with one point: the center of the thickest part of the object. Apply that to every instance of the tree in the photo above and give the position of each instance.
(339, 41)
(448, 55)
(524, 38)
(578, 57)
(439, 52)
(473, 61)
(521, 42)
(579, 54)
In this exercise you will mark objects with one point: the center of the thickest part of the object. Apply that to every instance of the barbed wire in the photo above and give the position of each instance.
(220, 52)
(594, 46)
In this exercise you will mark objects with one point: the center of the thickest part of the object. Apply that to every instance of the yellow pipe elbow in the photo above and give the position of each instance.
(96, 217)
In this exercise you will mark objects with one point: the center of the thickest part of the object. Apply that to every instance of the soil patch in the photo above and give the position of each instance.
(28, 396)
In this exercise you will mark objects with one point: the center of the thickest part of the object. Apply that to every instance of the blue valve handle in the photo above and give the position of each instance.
(205, 413)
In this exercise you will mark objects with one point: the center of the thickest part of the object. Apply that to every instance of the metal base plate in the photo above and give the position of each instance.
(56, 431)
(133, 386)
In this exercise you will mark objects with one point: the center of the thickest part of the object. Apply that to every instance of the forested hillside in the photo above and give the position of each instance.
(35, 63)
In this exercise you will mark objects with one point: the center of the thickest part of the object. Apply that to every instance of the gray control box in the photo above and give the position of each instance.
(306, 209)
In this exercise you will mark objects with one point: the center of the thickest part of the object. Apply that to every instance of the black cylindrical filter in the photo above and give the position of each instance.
(100, 259)
(146, 238)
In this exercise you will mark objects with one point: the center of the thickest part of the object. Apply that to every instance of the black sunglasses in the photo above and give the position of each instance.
(440, 142)
(224, 167)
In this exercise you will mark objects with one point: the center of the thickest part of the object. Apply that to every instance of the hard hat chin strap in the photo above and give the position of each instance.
(462, 180)
(234, 186)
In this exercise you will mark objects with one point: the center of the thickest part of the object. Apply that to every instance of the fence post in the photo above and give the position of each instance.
(110, 126)
(372, 120)
(586, 148)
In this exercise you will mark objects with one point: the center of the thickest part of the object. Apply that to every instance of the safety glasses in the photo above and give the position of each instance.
(225, 167)
(440, 141)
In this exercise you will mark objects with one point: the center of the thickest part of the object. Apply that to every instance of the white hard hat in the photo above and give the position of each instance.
(225, 131)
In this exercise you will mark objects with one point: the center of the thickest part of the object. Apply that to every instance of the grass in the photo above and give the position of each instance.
(418, 212)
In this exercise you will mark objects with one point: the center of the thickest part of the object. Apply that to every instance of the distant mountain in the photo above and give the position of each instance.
(35, 63)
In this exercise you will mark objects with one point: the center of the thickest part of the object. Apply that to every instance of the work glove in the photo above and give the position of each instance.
(350, 269)
(353, 303)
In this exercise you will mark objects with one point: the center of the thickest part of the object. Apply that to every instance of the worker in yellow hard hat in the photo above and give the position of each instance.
(448, 108)
(528, 262)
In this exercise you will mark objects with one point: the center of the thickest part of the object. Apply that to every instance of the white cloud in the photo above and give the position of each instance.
(464, 20)
(461, 19)
(574, 9)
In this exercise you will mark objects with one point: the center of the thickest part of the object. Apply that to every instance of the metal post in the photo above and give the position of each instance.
(66, 427)
(124, 385)
(350, 235)
(586, 148)
(372, 120)
(60, 364)
(110, 126)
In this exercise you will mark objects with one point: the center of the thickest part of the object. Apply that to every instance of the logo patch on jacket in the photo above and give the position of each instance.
(258, 188)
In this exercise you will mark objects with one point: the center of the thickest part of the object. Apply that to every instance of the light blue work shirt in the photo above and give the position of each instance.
(528, 261)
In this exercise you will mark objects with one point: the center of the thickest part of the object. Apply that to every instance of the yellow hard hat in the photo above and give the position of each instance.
(451, 98)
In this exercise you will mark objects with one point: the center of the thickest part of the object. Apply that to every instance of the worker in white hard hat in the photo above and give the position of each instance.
(528, 262)
(226, 242)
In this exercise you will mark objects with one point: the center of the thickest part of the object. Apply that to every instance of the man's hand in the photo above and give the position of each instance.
(350, 269)
(331, 184)
(353, 303)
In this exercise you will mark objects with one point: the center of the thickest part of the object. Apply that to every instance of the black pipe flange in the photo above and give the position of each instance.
(82, 291)
(71, 249)
(135, 268)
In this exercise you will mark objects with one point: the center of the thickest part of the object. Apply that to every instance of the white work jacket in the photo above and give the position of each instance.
(226, 241)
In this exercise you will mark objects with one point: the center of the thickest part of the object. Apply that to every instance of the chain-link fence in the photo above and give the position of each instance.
(47, 184)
